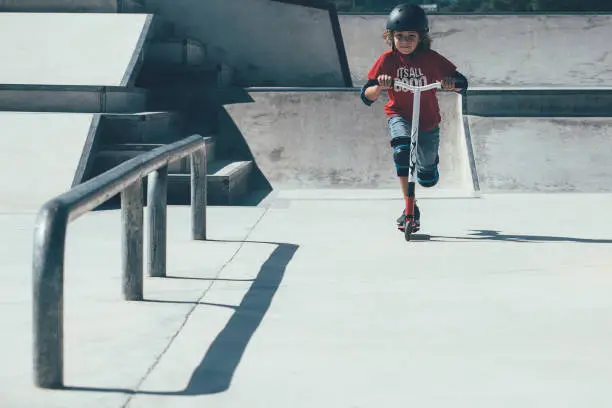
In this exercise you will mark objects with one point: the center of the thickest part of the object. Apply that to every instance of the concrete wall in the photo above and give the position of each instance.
(502, 50)
(589, 102)
(269, 43)
(543, 154)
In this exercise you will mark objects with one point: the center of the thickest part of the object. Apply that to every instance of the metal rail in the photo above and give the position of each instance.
(52, 224)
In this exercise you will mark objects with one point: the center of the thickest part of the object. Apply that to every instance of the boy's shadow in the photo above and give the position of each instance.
(494, 235)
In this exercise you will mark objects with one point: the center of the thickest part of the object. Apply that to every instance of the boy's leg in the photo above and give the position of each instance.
(428, 158)
(399, 130)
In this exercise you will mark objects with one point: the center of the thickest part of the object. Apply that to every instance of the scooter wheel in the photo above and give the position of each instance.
(408, 232)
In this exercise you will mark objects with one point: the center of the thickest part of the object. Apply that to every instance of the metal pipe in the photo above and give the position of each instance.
(157, 199)
(131, 238)
(48, 291)
(50, 240)
(198, 194)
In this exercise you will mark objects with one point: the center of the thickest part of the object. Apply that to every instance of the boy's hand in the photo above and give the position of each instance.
(448, 84)
(385, 81)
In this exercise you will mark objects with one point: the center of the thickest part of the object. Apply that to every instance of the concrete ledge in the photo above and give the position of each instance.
(538, 102)
(68, 49)
(227, 183)
(81, 99)
(72, 6)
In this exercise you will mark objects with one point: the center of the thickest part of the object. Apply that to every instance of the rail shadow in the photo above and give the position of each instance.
(215, 371)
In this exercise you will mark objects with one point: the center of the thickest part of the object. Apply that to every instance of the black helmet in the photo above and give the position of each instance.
(408, 17)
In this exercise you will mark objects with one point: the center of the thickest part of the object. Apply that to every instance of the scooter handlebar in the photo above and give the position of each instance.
(438, 85)
(405, 85)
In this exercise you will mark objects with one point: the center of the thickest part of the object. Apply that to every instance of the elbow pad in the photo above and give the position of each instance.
(461, 82)
(371, 82)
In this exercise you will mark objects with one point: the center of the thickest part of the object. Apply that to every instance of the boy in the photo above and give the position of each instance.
(411, 60)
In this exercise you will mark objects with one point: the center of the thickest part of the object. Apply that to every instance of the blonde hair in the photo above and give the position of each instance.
(425, 40)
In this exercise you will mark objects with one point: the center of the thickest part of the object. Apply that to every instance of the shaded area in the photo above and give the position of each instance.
(215, 371)
(203, 112)
(254, 48)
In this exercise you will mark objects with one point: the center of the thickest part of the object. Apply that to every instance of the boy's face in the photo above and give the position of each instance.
(406, 41)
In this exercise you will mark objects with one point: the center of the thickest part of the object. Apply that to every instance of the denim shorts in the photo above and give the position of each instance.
(429, 142)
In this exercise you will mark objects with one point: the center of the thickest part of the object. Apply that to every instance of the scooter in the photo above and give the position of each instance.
(414, 139)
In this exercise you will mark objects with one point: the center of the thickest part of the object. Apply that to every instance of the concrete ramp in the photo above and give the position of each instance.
(543, 154)
(329, 139)
(40, 155)
(510, 50)
(70, 49)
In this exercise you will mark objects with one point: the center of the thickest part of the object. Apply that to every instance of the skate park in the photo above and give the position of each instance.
(303, 292)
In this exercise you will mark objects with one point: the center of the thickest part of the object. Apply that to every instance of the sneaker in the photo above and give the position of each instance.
(416, 222)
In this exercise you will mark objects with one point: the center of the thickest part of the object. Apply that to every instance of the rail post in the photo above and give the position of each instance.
(48, 295)
(132, 240)
(198, 194)
(157, 200)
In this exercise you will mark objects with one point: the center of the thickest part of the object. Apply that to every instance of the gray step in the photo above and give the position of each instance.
(112, 155)
(82, 99)
(539, 102)
(228, 183)
(145, 127)
(164, 75)
(72, 6)
(160, 29)
(174, 52)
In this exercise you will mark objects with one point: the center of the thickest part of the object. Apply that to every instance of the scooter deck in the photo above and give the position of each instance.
(415, 236)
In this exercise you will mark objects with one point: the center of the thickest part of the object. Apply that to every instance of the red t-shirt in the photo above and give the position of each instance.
(420, 68)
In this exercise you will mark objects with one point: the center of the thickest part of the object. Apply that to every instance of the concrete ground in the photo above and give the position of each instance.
(314, 299)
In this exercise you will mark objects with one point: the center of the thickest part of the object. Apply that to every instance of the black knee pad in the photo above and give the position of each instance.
(428, 178)
(401, 155)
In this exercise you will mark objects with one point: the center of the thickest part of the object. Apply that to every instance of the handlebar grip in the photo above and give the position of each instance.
(375, 81)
